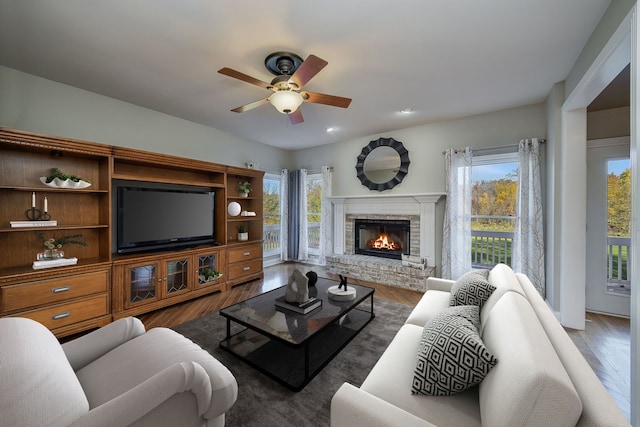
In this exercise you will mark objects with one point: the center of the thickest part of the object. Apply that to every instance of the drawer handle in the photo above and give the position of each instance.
(60, 289)
(61, 315)
(247, 268)
(246, 254)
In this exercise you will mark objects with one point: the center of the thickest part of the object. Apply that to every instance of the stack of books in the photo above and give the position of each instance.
(24, 224)
(60, 262)
(300, 308)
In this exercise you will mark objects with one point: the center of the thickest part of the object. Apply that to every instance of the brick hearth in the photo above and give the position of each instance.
(380, 270)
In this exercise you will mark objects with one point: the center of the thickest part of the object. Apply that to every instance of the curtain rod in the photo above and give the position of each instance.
(495, 147)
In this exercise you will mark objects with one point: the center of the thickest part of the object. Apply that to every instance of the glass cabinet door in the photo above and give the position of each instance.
(177, 279)
(142, 283)
(207, 272)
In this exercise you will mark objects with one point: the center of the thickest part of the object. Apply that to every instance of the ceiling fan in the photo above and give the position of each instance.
(292, 73)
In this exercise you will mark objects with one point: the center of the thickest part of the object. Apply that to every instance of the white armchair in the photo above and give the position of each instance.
(118, 375)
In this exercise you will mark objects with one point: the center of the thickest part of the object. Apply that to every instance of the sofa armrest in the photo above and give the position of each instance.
(352, 407)
(437, 284)
(87, 348)
(129, 407)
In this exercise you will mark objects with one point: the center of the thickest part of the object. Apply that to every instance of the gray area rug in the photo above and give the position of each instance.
(264, 402)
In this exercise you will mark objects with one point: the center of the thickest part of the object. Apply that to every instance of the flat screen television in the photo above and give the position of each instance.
(158, 218)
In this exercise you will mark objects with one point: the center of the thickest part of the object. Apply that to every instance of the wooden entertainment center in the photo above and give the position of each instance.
(104, 286)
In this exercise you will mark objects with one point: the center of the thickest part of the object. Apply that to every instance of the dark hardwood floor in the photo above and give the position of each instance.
(274, 277)
(605, 343)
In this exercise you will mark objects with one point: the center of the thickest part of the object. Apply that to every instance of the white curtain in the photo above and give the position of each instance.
(528, 240)
(456, 245)
(326, 220)
(303, 234)
(284, 214)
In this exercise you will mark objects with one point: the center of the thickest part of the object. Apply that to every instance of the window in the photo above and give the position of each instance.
(493, 209)
(618, 225)
(271, 215)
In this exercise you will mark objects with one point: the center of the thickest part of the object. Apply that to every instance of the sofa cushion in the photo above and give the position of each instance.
(471, 288)
(504, 280)
(451, 356)
(598, 408)
(38, 384)
(390, 380)
(530, 379)
(429, 306)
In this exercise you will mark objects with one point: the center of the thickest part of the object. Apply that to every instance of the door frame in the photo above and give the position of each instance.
(620, 50)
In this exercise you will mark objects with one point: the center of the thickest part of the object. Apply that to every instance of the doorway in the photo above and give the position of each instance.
(608, 242)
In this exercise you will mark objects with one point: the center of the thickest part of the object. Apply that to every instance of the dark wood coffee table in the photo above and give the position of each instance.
(292, 348)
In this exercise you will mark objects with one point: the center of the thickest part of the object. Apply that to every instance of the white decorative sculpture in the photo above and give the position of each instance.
(297, 288)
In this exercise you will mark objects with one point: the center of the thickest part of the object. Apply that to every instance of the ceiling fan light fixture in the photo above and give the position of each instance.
(286, 101)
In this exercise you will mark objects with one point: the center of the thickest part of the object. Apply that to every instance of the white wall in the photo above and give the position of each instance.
(611, 123)
(39, 105)
(425, 145)
(553, 196)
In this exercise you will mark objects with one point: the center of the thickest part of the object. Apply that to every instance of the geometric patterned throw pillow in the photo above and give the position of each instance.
(471, 289)
(451, 355)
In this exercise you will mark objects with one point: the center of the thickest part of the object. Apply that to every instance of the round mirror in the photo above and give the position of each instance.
(382, 164)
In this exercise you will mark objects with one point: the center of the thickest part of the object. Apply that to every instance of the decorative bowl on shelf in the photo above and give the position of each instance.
(67, 183)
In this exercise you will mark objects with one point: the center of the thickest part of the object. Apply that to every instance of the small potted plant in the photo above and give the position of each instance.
(243, 233)
(244, 188)
(54, 246)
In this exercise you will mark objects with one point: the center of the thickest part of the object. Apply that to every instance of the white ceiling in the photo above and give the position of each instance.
(445, 59)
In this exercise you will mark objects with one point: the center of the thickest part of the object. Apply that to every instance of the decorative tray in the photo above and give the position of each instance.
(58, 183)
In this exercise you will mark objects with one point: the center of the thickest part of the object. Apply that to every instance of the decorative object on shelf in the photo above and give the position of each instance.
(49, 254)
(243, 233)
(382, 164)
(234, 209)
(59, 179)
(208, 275)
(297, 288)
(247, 213)
(35, 214)
(48, 263)
(25, 224)
(244, 188)
(336, 293)
(54, 246)
(313, 277)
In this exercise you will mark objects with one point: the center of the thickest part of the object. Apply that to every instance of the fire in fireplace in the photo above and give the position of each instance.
(383, 238)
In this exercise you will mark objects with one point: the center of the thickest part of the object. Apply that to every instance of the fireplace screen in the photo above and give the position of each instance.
(383, 238)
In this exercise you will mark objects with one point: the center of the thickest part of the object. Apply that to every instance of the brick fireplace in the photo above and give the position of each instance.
(411, 219)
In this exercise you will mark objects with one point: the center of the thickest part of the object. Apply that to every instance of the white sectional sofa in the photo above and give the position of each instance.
(540, 379)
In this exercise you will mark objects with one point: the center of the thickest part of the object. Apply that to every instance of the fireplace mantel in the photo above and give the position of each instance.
(422, 205)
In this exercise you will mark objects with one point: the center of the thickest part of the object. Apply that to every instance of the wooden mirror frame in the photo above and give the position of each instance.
(402, 171)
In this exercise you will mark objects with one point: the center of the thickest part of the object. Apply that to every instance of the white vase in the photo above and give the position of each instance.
(243, 194)
(234, 209)
(243, 236)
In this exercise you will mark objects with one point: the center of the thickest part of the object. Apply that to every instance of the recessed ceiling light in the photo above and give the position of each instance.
(330, 129)
(408, 110)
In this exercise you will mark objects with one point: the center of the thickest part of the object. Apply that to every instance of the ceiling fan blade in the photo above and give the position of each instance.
(296, 117)
(321, 98)
(251, 106)
(305, 72)
(245, 78)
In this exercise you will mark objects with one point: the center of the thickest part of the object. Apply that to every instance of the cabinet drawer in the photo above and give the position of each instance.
(242, 269)
(67, 314)
(18, 297)
(245, 253)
